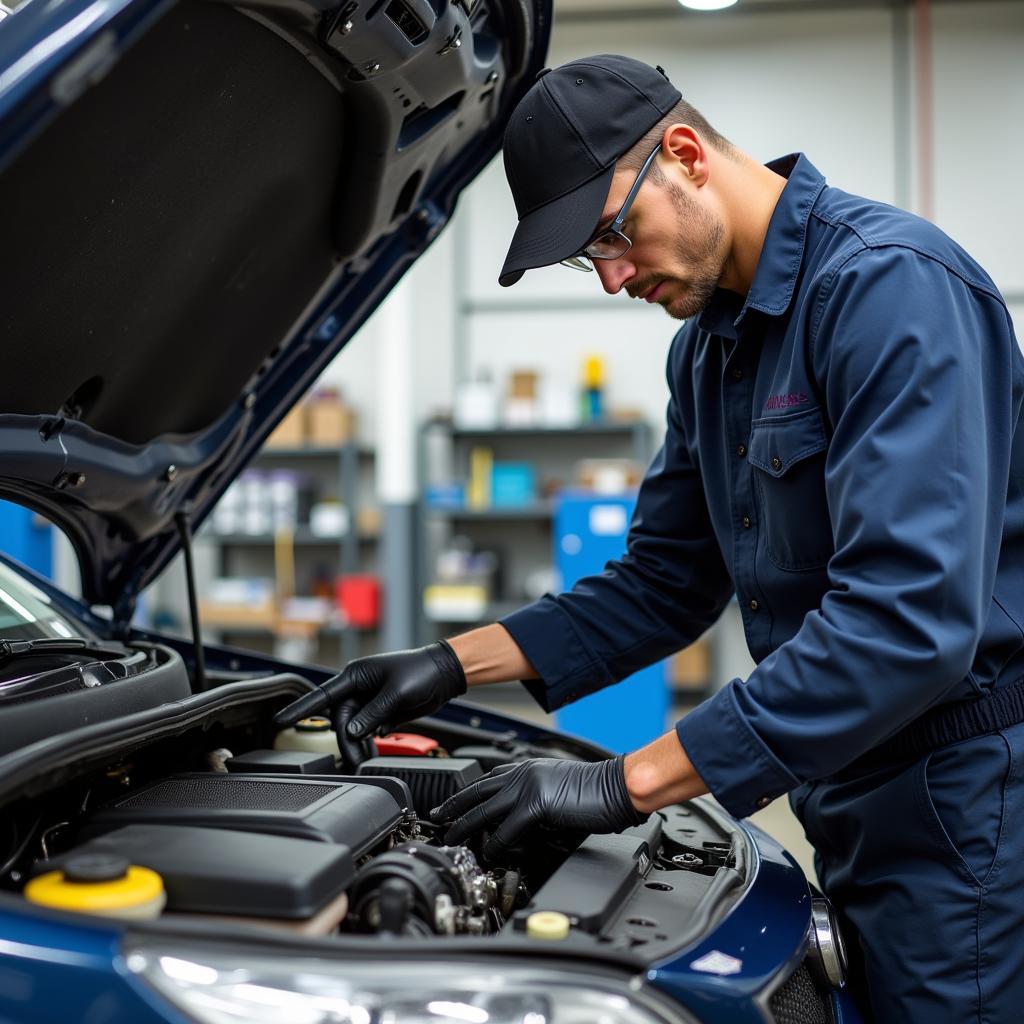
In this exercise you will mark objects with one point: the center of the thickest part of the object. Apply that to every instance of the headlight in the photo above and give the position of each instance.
(225, 988)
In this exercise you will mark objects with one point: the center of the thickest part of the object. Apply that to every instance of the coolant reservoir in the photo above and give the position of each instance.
(101, 884)
(311, 734)
(548, 925)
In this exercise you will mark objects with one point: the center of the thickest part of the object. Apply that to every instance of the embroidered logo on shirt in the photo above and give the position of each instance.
(785, 401)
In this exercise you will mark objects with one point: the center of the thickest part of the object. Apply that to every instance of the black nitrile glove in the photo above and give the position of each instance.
(353, 752)
(586, 797)
(382, 690)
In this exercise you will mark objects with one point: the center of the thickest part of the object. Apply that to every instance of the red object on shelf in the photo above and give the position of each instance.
(404, 744)
(358, 597)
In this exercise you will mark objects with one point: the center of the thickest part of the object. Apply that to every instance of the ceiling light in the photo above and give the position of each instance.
(707, 5)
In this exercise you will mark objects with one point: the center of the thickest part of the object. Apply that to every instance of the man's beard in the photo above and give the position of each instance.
(706, 258)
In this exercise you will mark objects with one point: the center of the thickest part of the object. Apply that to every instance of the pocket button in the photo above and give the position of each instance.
(776, 463)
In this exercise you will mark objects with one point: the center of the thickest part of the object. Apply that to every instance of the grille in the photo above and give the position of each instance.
(229, 794)
(799, 1001)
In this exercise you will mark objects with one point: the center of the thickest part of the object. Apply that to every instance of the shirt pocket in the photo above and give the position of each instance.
(788, 456)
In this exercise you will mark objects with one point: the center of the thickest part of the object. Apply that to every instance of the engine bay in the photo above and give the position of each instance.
(200, 810)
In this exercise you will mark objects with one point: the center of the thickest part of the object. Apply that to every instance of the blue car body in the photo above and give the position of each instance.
(57, 967)
(117, 498)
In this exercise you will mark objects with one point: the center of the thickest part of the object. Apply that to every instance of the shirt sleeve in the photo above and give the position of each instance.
(659, 597)
(921, 376)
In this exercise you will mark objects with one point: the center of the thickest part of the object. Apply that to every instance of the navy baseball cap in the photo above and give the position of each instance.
(561, 146)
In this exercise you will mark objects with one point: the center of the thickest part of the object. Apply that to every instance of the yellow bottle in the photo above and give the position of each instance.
(481, 464)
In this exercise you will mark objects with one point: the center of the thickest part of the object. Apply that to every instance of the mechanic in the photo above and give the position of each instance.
(844, 454)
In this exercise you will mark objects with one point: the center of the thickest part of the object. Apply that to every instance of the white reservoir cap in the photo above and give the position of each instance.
(547, 924)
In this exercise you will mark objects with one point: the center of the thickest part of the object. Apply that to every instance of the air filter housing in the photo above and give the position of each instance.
(354, 813)
(430, 779)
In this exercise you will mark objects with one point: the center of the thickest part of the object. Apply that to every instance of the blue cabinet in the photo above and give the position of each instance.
(26, 537)
(589, 531)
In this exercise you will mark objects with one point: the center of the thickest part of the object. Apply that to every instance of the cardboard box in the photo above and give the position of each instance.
(523, 384)
(225, 615)
(329, 422)
(369, 521)
(608, 476)
(291, 431)
(690, 668)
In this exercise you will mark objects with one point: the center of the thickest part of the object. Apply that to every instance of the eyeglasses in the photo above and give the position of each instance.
(611, 243)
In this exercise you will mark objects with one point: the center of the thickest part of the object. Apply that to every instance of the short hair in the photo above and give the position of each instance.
(681, 113)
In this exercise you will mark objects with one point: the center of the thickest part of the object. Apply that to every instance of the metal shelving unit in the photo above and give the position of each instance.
(539, 510)
(349, 458)
(638, 431)
(303, 537)
(630, 439)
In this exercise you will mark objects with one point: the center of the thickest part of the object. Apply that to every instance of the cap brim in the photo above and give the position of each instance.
(556, 230)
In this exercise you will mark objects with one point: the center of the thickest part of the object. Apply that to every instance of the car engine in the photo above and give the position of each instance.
(197, 810)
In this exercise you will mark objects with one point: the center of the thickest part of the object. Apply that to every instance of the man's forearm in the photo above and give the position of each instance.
(490, 655)
(661, 774)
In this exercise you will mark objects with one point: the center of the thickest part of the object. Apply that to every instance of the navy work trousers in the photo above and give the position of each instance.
(925, 863)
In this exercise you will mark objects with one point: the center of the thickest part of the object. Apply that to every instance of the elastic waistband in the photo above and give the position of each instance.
(945, 725)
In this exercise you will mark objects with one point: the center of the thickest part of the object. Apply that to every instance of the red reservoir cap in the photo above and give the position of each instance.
(404, 744)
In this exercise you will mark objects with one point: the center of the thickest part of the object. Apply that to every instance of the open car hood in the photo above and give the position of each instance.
(202, 204)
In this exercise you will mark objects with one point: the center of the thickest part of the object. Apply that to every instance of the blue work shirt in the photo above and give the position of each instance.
(844, 452)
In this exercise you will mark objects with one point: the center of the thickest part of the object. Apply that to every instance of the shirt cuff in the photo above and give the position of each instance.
(545, 634)
(734, 762)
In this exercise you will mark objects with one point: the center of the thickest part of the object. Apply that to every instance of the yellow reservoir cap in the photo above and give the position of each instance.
(547, 924)
(139, 893)
(315, 723)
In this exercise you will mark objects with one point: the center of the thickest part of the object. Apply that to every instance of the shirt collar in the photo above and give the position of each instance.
(779, 263)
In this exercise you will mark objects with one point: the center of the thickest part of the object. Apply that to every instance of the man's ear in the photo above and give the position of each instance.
(683, 147)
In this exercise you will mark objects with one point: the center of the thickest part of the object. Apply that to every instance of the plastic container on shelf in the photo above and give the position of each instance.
(358, 597)
(476, 404)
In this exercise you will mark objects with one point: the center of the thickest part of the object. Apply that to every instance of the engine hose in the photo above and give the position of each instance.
(508, 892)
(394, 899)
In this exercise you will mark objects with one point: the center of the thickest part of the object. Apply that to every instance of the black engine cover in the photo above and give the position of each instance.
(356, 814)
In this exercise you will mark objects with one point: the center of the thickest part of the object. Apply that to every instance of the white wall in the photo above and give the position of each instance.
(834, 84)
(837, 85)
(979, 145)
(749, 75)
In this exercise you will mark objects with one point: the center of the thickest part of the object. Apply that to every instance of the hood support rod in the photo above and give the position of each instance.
(184, 531)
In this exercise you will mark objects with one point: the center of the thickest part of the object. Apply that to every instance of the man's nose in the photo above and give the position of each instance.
(614, 273)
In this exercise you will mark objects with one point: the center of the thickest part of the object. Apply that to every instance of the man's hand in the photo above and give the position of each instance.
(588, 797)
(382, 691)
